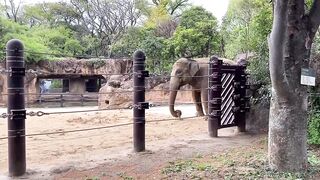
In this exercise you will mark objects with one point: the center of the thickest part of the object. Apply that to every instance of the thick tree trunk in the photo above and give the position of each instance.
(287, 135)
(289, 43)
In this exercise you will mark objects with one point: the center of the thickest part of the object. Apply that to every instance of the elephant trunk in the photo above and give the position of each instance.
(174, 87)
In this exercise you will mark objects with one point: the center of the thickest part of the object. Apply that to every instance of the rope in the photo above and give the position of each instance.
(95, 128)
(116, 91)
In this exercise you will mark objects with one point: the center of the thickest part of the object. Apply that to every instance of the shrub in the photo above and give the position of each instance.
(314, 129)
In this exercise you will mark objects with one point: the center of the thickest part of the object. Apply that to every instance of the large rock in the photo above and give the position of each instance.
(111, 97)
(122, 97)
(257, 119)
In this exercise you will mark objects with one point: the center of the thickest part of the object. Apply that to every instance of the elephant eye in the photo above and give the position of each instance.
(178, 72)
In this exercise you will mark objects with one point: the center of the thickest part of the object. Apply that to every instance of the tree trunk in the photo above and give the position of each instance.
(289, 46)
(287, 135)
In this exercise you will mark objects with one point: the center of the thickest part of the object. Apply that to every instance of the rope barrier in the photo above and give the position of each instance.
(39, 72)
(96, 128)
(99, 93)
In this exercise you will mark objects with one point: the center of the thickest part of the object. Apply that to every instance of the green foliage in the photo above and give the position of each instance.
(188, 166)
(73, 47)
(244, 30)
(155, 48)
(11, 30)
(196, 34)
(246, 26)
(40, 41)
(56, 83)
(314, 129)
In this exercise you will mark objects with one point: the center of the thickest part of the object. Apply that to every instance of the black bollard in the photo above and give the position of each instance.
(16, 108)
(140, 105)
(214, 96)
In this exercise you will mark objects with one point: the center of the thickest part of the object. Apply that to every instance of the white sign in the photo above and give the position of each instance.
(308, 77)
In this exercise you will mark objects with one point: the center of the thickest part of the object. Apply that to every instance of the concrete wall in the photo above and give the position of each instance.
(77, 86)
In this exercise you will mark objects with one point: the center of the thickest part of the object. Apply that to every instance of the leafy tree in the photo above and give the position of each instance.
(245, 29)
(197, 34)
(246, 26)
(52, 14)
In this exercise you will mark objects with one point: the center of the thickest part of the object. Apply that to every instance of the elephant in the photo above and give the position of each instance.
(193, 72)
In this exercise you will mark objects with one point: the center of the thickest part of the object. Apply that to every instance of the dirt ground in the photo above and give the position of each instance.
(108, 153)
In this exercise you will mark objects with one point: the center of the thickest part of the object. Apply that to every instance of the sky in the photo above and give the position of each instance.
(217, 7)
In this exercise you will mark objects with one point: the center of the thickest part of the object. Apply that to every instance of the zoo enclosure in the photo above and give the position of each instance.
(219, 84)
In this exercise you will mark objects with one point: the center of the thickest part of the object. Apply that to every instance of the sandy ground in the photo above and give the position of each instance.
(51, 156)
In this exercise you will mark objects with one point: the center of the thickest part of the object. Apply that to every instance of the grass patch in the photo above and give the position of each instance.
(238, 163)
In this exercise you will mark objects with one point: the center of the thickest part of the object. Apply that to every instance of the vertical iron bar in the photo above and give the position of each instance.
(138, 97)
(242, 91)
(214, 93)
(16, 107)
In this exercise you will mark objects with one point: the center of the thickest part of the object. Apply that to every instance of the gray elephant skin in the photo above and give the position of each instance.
(195, 73)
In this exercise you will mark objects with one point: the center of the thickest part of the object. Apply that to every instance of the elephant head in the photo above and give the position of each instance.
(182, 73)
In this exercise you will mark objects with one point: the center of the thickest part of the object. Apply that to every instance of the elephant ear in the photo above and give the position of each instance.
(193, 67)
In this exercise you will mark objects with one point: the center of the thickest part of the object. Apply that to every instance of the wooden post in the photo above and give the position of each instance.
(61, 100)
(214, 93)
(16, 108)
(241, 115)
(140, 105)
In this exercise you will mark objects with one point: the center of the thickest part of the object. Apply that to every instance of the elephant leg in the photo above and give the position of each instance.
(204, 97)
(196, 96)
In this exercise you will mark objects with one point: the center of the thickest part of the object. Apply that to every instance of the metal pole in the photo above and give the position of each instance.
(243, 99)
(16, 108)
(214, 96)
(140, 105)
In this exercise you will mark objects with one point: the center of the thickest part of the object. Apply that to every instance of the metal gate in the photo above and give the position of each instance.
(228, 102)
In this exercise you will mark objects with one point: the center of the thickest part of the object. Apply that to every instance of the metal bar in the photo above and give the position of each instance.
(16, 108)
(214, 82)
(241, 122)
(138, 97)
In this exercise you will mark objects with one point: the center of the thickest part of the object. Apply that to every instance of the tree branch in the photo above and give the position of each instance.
(315, 15)
(276, 49)
(314, 19)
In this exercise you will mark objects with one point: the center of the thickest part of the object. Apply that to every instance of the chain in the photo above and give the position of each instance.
(5, 115)
(39, 113)
(3, 71)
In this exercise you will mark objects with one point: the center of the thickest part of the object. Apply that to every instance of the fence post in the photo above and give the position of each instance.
(16, 108)
(139, 104)
(241, 115)
(214, 95)
(82, 99)
(61, 100)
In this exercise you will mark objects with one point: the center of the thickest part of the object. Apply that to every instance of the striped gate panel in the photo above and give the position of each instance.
(227, 118)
